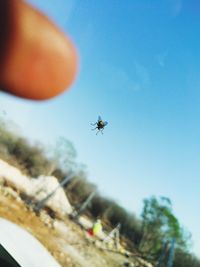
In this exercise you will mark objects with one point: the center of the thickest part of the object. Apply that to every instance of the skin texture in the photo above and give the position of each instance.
(37, 60)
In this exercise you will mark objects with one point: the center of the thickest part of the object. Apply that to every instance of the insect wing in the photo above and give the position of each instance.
(99, 118)
(105, 123)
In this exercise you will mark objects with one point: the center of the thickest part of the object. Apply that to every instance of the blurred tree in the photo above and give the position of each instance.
(158, 224)
(63, 156)
(185, 259)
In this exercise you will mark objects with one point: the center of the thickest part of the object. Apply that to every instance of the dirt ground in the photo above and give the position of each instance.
(64, 239)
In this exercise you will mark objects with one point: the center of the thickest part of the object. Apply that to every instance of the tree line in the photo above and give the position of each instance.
(144, 235)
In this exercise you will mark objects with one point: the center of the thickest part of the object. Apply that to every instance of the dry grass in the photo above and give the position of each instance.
(64, 239)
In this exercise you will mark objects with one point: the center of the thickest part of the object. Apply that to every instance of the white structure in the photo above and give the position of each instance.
(38, 188)
(23, 247)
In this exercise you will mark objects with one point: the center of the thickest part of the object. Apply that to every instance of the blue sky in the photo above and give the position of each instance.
(140, 70)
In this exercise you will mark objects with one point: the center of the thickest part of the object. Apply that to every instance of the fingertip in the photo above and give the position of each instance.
(42, 62)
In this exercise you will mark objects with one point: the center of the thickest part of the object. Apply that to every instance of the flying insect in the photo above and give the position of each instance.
(100, 124)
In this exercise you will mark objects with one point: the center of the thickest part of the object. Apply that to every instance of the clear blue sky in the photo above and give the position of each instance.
(140, 70)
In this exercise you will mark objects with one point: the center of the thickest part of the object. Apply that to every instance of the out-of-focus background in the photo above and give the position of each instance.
(139, 70)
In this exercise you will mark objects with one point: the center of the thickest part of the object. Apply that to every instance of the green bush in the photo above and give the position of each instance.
(185, 259)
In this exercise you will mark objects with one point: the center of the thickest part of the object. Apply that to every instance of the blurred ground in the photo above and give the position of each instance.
(65, 240)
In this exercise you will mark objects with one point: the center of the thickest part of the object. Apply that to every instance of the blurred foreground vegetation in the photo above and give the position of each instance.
(144, 235)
